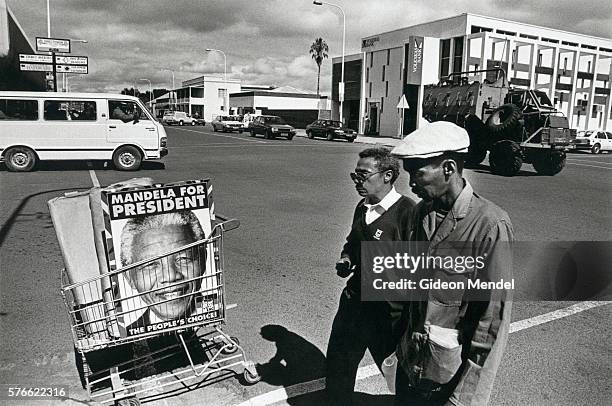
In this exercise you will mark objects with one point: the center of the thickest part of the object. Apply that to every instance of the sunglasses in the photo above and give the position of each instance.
(360, 177)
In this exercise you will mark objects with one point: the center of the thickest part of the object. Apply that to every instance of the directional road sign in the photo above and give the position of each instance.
(52, 44)
(71, 60)
(35, 58)
(72, 68)
(35, 67)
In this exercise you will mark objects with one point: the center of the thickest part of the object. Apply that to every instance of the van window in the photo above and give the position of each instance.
(125, 111)
(18, 109)
(77, 110)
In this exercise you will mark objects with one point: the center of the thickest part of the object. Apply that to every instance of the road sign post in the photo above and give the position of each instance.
(402, 105)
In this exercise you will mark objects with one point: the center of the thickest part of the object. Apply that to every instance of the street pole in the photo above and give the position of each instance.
(225, 96)
(172, 92)
(48, 21)
(341, 84)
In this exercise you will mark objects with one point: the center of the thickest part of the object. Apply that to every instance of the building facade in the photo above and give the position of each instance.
(296, 107)
(13, 41)
(573, 69)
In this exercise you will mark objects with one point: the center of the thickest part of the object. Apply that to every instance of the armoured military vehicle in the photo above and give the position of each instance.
(516, 126)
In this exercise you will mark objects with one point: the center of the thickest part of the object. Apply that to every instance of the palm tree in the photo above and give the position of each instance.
(319, 50)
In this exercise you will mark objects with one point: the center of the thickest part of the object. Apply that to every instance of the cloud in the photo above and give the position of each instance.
(265, 41)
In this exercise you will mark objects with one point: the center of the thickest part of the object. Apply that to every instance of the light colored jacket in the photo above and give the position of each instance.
(474, 227)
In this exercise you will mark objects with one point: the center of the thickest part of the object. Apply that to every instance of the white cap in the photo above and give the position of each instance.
(432, 140)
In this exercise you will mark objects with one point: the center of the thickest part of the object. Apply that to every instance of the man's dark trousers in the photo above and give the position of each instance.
(357, 326)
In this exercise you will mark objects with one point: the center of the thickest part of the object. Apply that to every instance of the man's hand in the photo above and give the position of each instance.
(343, 267)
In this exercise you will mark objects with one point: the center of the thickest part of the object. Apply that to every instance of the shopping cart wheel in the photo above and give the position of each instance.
(250, 374)
(131, 401)
(233, 346)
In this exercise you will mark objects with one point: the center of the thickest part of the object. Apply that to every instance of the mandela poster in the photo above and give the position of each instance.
(168, 279)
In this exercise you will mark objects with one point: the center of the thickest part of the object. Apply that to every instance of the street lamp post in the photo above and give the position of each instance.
(172, 92)
(224, 77)
(150, 94)
(341, 84)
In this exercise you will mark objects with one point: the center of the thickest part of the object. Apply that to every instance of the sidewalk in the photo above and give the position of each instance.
(362, 139)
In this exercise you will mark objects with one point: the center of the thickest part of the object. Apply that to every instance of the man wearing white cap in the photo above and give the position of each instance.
(452, 213)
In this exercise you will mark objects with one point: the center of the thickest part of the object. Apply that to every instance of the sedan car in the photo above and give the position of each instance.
(330, 129)
(271, 127)
(593, 140)
(227, 123)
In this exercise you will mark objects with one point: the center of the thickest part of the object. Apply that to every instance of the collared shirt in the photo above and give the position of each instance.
(374, 211)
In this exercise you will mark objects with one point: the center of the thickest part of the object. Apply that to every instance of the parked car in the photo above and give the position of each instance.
(178, 117)
(227, 123)
(330, 129)
(593, 140)
(271, 127)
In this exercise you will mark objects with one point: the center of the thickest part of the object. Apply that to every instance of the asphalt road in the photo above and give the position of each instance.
(295, 200)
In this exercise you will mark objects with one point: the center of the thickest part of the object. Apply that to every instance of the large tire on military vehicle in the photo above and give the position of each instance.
(477, 131)
(504, 120)
(549, 163)
(505, 158)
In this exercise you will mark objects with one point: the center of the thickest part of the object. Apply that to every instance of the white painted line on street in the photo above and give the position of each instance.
(368, 371)
(591, 166)
(92, 175)
(554, 315)
(289, 144)
(589, 161)
(219, 135)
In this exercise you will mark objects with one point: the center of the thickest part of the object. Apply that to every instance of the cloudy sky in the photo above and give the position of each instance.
(266, 41)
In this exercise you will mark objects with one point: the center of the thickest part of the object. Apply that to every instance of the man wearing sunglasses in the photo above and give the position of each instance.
(382, 215)
(451, 214)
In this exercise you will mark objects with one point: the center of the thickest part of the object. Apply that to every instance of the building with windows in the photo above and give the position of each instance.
(573, 69)
(13, 41)
(206, 96)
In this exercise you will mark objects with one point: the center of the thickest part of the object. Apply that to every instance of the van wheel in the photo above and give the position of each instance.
(193, 123)
(20, 159)
(127, 158)
(181, 122)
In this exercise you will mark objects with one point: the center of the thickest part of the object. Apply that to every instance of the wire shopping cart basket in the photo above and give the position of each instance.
(160, 314)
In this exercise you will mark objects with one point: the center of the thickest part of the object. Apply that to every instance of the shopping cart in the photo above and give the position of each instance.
(117, 362)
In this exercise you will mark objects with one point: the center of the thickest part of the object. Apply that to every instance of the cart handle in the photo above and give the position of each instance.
(226, 223)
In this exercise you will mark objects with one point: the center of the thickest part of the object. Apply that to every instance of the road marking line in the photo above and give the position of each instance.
(590, 166)
(554, 315)
(368, 371)
(219, 135)
(589, 161)
(265, 145)
(92, 175)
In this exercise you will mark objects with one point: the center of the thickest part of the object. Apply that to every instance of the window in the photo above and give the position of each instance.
(71, 110)
(388, 56)
(382, 104)
(18, 109)
(458, 54)
(371, 59)
(383, 72)
(125, 111)
(601, 136)
(386, 89)
(445, 57)
(370, 89)
(221, 93)
(367, 74)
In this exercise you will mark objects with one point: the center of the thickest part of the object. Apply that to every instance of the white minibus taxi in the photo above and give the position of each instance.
(77, 126)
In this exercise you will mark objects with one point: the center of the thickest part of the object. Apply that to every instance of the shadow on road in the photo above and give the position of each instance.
(51, 166)
(297, 361)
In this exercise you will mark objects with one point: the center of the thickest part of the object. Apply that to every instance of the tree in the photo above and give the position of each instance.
(318, 51)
